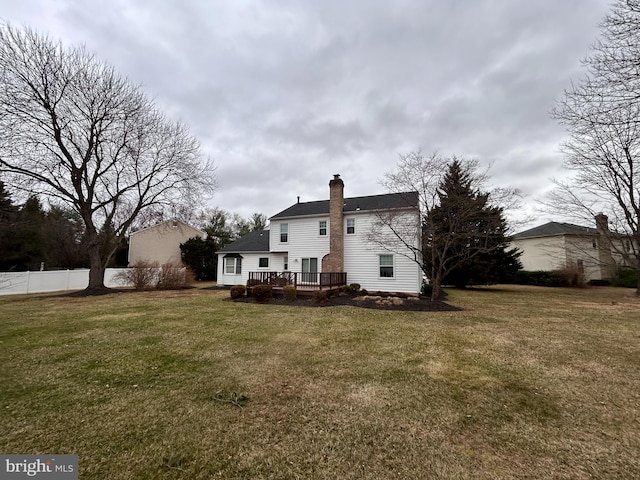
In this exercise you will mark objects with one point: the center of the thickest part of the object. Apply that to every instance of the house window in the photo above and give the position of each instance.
(263, 262)
(310, 270)
(284, 232)
(386, 266)
(351, 226)
(323, 228)
(233, 265)
(594, 244)
(286, 264)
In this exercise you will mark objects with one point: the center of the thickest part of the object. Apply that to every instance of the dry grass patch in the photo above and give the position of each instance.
(524, 383)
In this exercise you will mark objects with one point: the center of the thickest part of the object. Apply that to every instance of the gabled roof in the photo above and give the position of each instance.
(256, 241)
(555, 228)
(353, 204)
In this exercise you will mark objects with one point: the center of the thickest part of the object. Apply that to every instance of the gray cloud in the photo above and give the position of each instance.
(285, 93)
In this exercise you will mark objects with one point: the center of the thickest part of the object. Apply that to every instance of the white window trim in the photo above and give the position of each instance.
(326, 228)
(235, 266)
(393, 266)
(355, 228)
(281, 232)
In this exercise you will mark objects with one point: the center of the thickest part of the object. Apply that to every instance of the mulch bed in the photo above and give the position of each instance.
(379, 303)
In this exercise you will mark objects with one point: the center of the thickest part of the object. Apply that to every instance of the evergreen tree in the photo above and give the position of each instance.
(468, 232)
(64, 239)
(23, 245)
(8, 219)
(200, 256)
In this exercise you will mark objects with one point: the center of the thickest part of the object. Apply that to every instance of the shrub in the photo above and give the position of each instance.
(237, 291)
(252, 282)
(289, 293)
(573, 275)
(141, 275)
(171, 276)
(262, 293)
(625, 277)
(352, 288)
(320, 296)
(541, 278)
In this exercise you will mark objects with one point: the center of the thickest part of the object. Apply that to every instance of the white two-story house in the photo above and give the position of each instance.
(329, 241)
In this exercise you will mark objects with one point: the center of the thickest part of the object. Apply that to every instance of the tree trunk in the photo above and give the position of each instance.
(96, 271)
(436, 286)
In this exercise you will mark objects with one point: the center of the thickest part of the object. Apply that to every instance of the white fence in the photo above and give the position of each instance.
(52, 281)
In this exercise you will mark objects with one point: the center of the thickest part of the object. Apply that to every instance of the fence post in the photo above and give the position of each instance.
(27, 281)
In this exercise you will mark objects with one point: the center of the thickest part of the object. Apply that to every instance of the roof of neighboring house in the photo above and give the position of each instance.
(256, 241)
(173, 223)
(555, 228)
(354, 204)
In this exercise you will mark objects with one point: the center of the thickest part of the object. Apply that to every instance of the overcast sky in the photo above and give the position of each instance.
(283, 94)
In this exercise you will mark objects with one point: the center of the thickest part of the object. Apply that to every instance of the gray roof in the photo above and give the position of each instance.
(555, 228)
(256, 241)
(354, 204)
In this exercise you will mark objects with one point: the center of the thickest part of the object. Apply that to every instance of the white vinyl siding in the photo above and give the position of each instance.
(362, 262)
(249, 263)
(304, 242)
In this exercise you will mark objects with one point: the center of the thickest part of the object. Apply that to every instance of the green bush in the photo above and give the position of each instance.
(289, 293)
(625, 277)
(237, 291)
(542, 278)
(262, 293)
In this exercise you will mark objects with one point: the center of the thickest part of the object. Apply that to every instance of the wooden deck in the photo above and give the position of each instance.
(305, 281)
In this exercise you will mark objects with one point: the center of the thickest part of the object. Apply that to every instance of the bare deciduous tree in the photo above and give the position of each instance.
(74, 130)
(433, 241)
(602, 116)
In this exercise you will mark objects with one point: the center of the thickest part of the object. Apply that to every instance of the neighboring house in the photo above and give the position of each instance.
(161, 243)
(315, 239)
(594, 251)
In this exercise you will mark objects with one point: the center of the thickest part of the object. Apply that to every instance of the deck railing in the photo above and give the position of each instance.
(312, 280)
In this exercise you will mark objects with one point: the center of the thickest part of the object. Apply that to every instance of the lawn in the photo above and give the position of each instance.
(525, 382)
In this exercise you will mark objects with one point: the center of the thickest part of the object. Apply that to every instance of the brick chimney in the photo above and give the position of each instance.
(605, 259)
(334, 260)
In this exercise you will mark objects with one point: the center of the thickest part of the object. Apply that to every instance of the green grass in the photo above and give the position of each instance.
(525, 382)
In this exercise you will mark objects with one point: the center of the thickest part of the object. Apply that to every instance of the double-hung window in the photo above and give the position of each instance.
(284, 232)
(322, 228)
(351, 226)
(386, 266)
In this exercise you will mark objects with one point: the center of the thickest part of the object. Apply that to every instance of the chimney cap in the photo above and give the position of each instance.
(336, 176)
